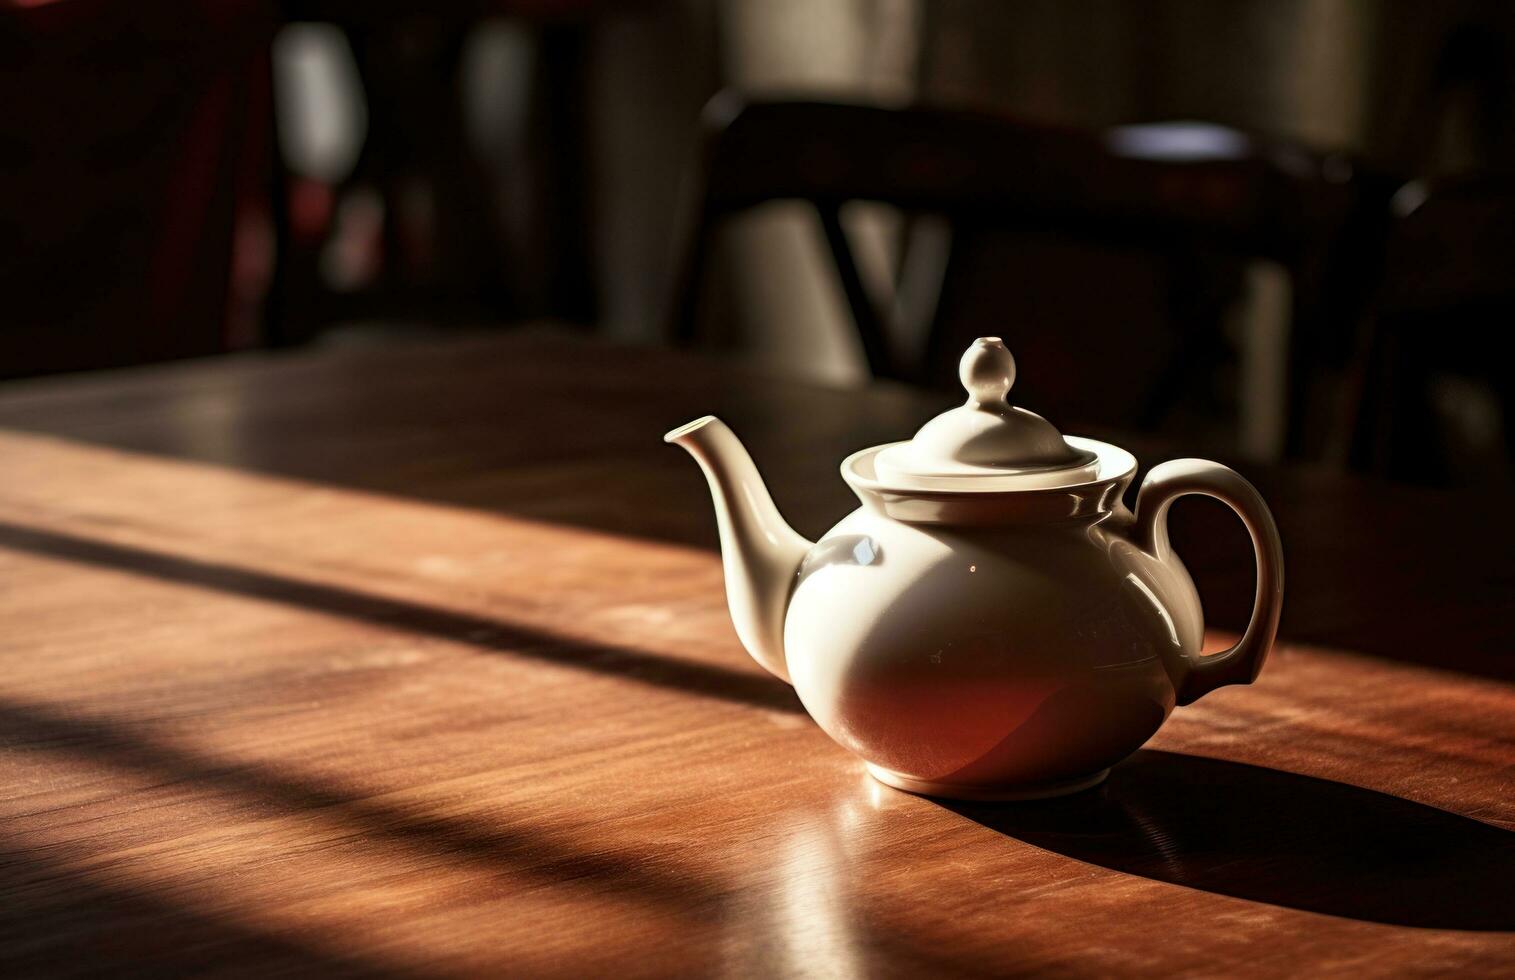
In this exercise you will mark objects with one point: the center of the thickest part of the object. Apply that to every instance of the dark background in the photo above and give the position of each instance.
(1275, 230)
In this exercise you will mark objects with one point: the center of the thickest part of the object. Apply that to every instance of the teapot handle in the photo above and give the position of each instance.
(1180, 477)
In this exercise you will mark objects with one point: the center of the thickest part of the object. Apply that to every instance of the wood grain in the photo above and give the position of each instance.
(415, 662)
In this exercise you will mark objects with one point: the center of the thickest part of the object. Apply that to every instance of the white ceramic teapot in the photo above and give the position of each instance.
(992, 622)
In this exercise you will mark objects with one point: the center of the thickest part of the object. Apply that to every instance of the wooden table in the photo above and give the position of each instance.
(415, 662)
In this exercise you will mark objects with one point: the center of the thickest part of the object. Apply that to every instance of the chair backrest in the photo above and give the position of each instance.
(1131, 183)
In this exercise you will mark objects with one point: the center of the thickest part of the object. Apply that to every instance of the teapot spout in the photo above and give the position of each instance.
(760, 552)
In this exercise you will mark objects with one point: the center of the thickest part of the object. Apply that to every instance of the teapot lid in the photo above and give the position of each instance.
(985, 442)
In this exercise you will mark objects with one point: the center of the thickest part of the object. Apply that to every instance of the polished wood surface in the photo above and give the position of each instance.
(415, 662)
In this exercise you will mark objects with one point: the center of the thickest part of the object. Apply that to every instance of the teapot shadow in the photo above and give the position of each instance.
(1270, 836)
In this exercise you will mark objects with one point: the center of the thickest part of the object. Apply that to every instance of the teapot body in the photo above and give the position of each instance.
(1009, 661)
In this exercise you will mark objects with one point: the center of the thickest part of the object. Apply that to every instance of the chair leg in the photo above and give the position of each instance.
(920, 280)
(938, 363)
(870, 329)
(688, 281)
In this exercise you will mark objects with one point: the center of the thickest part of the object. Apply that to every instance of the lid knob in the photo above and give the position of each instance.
(987, 370)
(986, 438)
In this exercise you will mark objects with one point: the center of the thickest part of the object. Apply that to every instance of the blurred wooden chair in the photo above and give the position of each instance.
(1443, 310)
(1193, 194)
